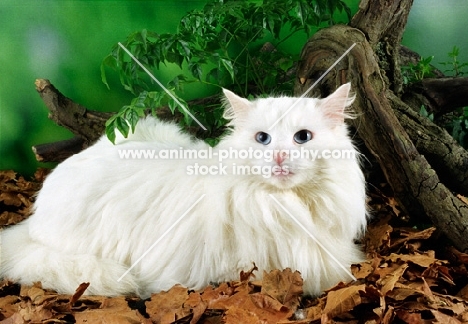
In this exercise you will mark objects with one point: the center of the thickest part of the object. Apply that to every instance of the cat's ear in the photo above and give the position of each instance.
(235, 106)
(335, 104)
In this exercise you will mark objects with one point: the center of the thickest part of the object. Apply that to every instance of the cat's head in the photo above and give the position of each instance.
(283, 134)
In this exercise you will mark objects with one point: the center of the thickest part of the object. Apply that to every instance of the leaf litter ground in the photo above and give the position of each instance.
(411, 275)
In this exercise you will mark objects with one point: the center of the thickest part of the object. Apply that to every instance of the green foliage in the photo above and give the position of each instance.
(228, 43)
(423, 112)
(455, 67)
(417, 72)
(459, 128)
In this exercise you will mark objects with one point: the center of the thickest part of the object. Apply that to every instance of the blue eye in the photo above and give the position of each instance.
(263, 138)
(303, 136)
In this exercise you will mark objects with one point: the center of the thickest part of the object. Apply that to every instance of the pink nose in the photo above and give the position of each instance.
(280, 157)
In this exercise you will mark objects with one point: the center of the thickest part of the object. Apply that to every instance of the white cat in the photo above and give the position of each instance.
(136, 225)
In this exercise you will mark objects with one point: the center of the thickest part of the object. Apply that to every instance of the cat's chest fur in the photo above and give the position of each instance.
(144, 224)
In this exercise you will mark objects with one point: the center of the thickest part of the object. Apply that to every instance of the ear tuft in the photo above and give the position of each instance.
(336, 103)
(234, 106)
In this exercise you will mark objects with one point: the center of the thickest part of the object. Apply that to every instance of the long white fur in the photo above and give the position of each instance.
(97, 214)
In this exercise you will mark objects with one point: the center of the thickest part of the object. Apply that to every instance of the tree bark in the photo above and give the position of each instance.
(443, 153)
(443, 94)
(58, 151)
(372, 68)
(64, 112)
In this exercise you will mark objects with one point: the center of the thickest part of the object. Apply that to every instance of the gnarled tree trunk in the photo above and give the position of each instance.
(414, 154)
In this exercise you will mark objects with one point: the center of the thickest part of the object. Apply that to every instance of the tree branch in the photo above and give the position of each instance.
(445, 94)
(58, 151)
(79, 120)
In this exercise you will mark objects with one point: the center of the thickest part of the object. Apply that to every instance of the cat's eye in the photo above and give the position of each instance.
(263, 138)
(302, 136)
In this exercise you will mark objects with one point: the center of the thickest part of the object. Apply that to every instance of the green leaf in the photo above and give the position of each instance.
(122, 126)
(455, 52)
(111, 120)
(196, 70)
(302, 11)
(178, 82)
(172, 106)
(286, 64)
(229, 67)
(139, 102)
(184, 49)
(176, 58)
(109, 61)
(423, 111)
(143, 35)
(132, 117)
(212, 141)
(110, 132)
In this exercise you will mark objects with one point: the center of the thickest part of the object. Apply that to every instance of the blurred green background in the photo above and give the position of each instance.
(65, 41)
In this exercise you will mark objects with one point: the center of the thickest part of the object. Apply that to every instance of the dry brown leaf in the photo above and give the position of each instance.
(245, 276)
(33, 313)
(14, 319)
(463, 293)
(378, 236)
(7, 175)
(430, 298)
(112, 311)
(78, 293)
(266, 302)
(342, 300)
(37, 295)
(241, 302)
(8, 306)
(364, 269)
(197, 305)
(460, 256)
(245, 310)
(285, 286)
(449, 304)
(41, 174)
(373, 296)
(388, 282)
(236, 315)
(409, 317)
(315, 312)
(216, 298)
(11, 199)
(11, 218)
(10, 181)
(393, 204)
(388, 316)
(402, 292)
(423, 260)
(384, 269)
(412, 234)
(16, 197)
(437, 271)
(443, 318)
(167, 306)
